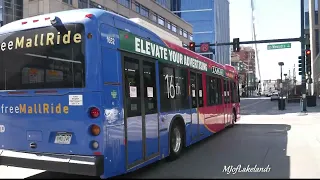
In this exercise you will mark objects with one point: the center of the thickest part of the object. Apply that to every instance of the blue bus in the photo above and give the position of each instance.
(90, 92)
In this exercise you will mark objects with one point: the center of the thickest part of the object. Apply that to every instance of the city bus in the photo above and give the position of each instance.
(90, 92)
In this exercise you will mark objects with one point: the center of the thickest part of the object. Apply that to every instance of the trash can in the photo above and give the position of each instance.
(282, 104)
(311, 101)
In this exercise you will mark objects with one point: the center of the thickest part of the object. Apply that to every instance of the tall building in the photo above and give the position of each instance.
(312, 27)
(156, 12)
(211, 23)
(10, 10)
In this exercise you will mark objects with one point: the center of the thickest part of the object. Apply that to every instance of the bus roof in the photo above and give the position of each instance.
(80, 16)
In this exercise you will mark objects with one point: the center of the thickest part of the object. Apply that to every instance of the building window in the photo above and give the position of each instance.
(96, 5)
(185, 34)
(144, 11)
(180, 31)
(168, 25)
(67, 1)
(125, 3)
(161, 20)
(154, 17)
(316, 19)
(190, 36)
(84, 4)
(136, 7)
(11, 11)
(174, 27)
(164, 3)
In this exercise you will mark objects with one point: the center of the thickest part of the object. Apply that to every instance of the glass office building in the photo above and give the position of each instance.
(11, 10)
(211, 23)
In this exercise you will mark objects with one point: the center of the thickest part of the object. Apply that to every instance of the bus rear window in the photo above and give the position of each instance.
(49, 57)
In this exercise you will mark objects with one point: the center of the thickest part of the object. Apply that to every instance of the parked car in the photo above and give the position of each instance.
(274, 96)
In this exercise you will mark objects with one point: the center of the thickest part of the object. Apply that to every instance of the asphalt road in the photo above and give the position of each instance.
(285, 143)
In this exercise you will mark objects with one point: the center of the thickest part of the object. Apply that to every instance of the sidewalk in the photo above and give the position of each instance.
(296, 108)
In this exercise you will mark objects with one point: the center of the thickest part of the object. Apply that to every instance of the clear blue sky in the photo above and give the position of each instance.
(274, 19)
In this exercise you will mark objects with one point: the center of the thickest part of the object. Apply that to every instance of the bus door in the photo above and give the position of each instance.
(140, 108)
(196, 92)
(227, 102)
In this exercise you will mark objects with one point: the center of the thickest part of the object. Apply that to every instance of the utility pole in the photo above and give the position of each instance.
(294, 79)
(303, 75)
(248, 72)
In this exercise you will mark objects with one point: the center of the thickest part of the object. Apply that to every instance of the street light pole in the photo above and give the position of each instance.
(286, 83)
(281, 64)
(303, 75)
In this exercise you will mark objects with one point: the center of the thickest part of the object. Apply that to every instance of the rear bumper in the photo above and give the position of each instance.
(72, 164)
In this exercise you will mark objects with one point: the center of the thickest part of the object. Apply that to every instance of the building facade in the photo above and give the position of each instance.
(10, 10)
(247, 57)
(156, 12)
(211, 23)
(312, 27)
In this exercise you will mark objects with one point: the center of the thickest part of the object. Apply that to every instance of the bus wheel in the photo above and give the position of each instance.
(176, 141)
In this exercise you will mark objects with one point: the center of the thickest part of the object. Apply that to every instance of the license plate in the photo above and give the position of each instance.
(63, 138)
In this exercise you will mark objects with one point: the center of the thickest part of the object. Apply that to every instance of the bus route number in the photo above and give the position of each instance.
(111, 40)
(172, 89)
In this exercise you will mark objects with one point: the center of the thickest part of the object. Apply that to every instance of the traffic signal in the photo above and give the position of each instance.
(236, 44)
(308, 60)
(192, 46)
(301, 65)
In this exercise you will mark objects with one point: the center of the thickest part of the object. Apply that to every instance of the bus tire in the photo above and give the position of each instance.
(234, 118)
(176, 140)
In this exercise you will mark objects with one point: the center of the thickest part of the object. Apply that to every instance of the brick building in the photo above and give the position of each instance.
(247, 57)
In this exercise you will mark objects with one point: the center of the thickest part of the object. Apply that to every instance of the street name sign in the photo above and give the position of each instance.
(279, 46)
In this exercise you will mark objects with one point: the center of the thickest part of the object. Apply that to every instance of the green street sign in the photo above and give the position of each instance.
(279, 46)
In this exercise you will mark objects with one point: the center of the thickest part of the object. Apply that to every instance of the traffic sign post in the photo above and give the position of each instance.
(204, 47)
(279, 46)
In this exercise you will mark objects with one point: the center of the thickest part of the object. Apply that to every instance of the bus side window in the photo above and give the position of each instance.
(200, 89)
(132, 86)
(236, 87)
(219, 91)
(233, 92)
(150, 93)
(225, 91)
(213, 91)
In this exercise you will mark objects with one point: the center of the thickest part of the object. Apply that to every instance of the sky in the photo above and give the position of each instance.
(274, 19)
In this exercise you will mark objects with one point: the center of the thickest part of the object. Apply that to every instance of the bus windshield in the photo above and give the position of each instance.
(48, 57)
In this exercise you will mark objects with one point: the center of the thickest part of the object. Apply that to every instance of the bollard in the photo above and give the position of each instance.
(281, 104)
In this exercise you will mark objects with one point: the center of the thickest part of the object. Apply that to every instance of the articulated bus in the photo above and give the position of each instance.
(90, 92)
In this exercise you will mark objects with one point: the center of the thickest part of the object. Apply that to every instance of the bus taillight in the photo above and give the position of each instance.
(94, 112)
(95, 130)
(24, 23)
(36, 20)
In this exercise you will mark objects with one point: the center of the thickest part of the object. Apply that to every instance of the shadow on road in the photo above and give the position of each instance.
(219, 156)
(260, 145)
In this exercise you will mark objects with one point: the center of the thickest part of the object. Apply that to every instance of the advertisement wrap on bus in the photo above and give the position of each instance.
(90, 92)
